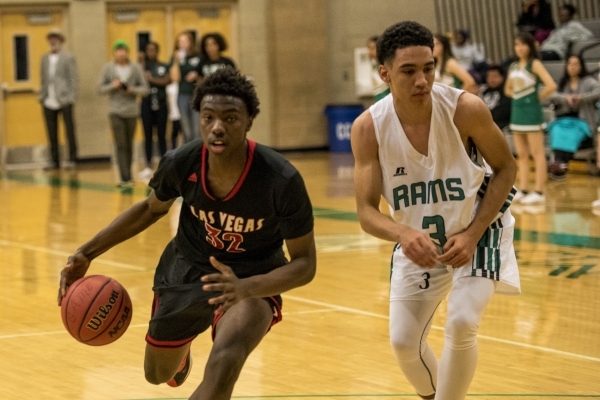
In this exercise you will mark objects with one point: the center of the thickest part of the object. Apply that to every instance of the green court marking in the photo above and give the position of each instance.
(328, 396)
(581, 271)
(559, 270)
(560, 239)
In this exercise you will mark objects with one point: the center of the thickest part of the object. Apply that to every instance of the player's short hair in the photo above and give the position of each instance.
(401, 35)
(228, 82)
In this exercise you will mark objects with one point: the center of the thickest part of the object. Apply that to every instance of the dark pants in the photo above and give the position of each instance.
(123, 131)
(549, 55)
(150, 119)
(175, 131)
(51, 117)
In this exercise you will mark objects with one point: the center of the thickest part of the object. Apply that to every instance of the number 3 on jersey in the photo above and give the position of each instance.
(439, 235)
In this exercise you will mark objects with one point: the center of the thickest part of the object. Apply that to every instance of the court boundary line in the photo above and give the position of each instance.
(439, 328)
(64, 254)
(327, 396)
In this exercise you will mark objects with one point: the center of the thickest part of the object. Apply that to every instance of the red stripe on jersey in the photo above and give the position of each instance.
(236, 188)
(203, 171)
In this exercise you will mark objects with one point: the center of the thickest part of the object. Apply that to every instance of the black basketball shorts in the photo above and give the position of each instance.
(180, 310)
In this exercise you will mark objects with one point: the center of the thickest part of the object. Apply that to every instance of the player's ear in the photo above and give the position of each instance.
(250, 121)
(384, 73)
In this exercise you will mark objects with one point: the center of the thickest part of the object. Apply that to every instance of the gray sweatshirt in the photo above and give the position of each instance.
(121, 102)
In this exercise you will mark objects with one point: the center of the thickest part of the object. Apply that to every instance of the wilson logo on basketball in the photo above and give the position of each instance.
(103, 312)
(121, 322)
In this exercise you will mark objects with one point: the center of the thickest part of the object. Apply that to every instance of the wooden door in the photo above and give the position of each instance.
(23, 42)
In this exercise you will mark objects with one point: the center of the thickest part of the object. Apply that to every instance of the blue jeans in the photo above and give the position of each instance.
(190, 119)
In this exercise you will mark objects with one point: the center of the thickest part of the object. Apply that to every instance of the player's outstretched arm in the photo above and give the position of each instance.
(131, 222)
(417, 246)
(298, 272)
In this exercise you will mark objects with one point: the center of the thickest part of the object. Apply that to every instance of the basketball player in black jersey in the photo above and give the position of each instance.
(226, 266)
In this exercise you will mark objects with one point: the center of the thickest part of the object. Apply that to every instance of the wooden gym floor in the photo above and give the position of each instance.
(333, 341)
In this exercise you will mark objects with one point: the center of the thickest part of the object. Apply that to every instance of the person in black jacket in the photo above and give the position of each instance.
(536, 18)
(493, 95)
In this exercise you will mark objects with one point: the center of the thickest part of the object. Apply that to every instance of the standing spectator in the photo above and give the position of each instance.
(154, 106)
(526, 117)
(174, 115)
(577, 118)
(536, 18)
(185, 64)
(468, 55)
(123, 80)
(447, 70)
(492, 93)
(59, 82)
(380, 88)
(569, 31)
(212, 45)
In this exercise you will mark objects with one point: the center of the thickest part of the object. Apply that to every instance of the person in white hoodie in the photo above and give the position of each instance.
(569, 31)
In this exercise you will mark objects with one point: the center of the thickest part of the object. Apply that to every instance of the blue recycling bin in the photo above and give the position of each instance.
(339, 122)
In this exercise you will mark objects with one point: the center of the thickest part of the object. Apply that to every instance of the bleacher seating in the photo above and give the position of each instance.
(591, 53)
(577, 47)
(593, 25)
(556, 69)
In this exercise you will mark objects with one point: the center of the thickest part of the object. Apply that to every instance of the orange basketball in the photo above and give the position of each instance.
(96, 310)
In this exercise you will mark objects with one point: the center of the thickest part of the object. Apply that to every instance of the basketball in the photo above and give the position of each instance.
(96, 310)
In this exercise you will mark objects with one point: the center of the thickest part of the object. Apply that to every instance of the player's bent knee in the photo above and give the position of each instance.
(225, 365)
(461, 332)
(404, 348)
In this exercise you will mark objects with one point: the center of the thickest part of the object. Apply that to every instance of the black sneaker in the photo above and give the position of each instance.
(183, 372)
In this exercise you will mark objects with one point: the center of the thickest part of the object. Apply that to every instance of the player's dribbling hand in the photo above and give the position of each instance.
(77, 266)
(419, 248)
(227, 283)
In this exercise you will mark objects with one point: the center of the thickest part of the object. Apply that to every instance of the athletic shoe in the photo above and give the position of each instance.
(533, 198)
(557, 175)
(518, 196)
(125, 185)
(183, 372)
(146, 173)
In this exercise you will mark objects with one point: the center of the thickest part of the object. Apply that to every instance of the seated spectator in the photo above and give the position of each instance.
(468, 55)
(577, 119)
(569, 31)
(536, 18)
(447, 70)
(492, 93)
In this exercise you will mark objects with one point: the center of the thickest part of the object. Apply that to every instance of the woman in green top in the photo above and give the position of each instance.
(527, 118)
(185, 65)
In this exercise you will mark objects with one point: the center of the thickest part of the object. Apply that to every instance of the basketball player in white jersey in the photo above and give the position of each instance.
(421, 148)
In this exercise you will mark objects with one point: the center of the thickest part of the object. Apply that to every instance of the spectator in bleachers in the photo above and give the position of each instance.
(536, 18)
(527, 117)
(569, 31)
(447, 70)
(492, 93)
(575, 109)
(468, 54)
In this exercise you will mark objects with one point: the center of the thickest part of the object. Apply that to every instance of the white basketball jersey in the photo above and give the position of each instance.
(435, 193)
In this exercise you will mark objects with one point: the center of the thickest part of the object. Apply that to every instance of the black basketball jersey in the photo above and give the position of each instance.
(246, 229)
